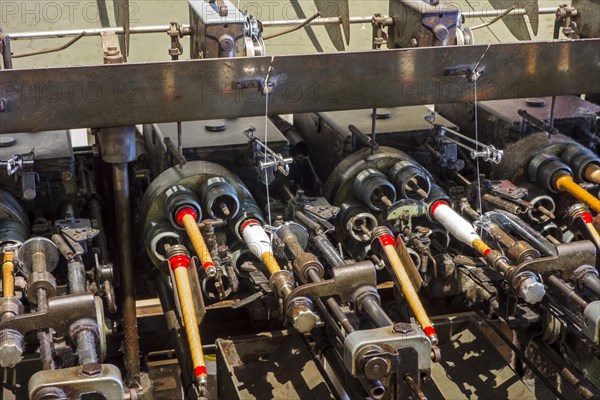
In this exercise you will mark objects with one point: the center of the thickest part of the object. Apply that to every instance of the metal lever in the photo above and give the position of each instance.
(270, 159)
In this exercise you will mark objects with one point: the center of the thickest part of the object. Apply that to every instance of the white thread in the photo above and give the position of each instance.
(266, 140)
(479, 198)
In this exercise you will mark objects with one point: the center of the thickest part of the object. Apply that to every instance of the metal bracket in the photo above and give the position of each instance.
(266, 157)
(487, 153)
(410, 336)
(346, 282)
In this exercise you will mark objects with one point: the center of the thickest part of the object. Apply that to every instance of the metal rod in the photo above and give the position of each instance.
(333, 305)
(293, 28)
(266, 24)
(44, 336)
(89, 32)
(574, 378)
(373, 309)
(50, 49)
(8, 277)
(123, 223)
(414, 387)
(493, 20)
(567, 291)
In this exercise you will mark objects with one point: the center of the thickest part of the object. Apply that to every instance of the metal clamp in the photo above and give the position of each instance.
(270, 159)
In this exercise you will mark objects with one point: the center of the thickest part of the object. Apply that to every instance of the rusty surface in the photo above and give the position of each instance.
(117, 95)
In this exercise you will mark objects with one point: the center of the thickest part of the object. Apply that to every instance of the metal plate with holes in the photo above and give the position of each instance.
(117, 95)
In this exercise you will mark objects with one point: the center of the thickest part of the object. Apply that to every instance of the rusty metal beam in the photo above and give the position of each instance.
(117, 95)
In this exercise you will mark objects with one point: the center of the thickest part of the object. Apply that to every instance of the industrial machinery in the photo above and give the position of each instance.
(417, 220)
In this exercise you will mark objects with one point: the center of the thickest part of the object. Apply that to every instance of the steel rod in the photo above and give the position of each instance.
(123, 222)
(267, 24)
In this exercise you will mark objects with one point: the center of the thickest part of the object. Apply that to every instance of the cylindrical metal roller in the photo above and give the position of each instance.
(374, 190)
(584, 163)
(410, 180)
(159, 236)
(219, 199)
(544, 169)
(358, 221)
(14, 224)
(177, 198)
(544, 207)
(117, 145)
(248, 210)
(38, 254)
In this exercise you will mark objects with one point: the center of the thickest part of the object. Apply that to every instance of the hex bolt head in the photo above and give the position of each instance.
(304, 319)
(403, 328)
(91, 369)
(532, 291)
(11, 348)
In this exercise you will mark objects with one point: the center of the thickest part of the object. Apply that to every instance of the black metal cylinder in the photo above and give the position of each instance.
(123, 219)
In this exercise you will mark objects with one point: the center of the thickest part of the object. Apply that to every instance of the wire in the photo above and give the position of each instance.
(292, 29)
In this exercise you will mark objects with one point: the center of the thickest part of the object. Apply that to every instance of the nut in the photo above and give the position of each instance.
(403, 328)
(91, 369)
(11, 348)
(303, 317)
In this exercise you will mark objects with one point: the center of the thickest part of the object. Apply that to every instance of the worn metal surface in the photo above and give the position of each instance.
(410, 336)
(116, 95)
(61, 313)
(93, 380)
(570, 257)
(346, 281)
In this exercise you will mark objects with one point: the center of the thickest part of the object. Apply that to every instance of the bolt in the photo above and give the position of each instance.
(11, 348)
(111, 51)
(305, 320)
(532, 291)
(441, 32)
(226, 42)
(91, 369)
(66, 176)
(403, 328)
